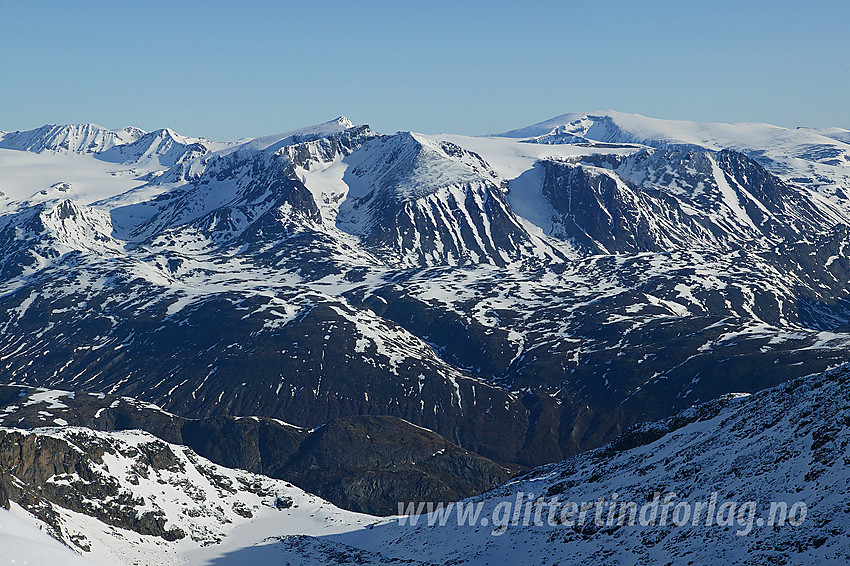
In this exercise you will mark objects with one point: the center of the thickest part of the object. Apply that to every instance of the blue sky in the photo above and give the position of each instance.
(231, 69)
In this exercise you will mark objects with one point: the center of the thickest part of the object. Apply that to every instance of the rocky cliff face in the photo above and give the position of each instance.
(4, 490)
(66, 471)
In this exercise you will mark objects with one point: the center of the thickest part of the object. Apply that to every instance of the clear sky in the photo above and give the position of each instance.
(228, 69)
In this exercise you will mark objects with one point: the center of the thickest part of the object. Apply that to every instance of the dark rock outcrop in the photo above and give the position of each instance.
(48, 470)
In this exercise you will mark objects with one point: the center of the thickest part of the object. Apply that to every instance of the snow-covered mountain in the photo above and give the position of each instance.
(816, 158)
(525, 300)
(430, 202)
(129, 145)
(810, 144)
(164, 146)
(74, 138)
(656, 200)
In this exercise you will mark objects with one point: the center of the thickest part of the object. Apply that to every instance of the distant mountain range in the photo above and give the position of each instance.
(527, 296)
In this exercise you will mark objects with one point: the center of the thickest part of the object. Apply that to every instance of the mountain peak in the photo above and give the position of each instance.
(316, 131)
(344, 122)
(166, 134)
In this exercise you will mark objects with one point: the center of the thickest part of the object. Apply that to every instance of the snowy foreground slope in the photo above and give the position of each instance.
(788, 445)
(24, 543)
(129, 498)
(526, 296)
